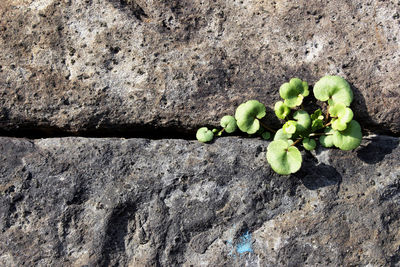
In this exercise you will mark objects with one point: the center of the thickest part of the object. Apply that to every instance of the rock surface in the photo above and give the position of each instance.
(97, 67)
(120, 65)
(136, 202)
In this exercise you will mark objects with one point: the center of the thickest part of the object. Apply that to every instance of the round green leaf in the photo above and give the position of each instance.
(335, 110)
(293, 92)
(333, 89)
(247, 115)
(281, 135)
(281, 110)
(228, 123)
(204, 135)
(346, 116)
(339, 110)
(327, 140)
(309, 144)
(350, 138)
(338, 125)
(342, 114)
(289, 127)
(283, 158)
(266, 135)
(303, 121)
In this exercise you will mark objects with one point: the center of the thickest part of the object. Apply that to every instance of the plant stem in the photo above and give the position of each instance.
(327, 115)
(297, 141)
(319, 134)
(316, 134)
(329, 123)
(326, 108)
(220, 132)
(266, 127)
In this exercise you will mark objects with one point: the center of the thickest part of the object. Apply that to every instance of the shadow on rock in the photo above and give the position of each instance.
(314, 175)
(377, 148)
(362, 115)
(271, 120)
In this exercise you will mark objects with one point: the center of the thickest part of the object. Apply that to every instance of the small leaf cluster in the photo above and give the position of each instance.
(334, 127)
(247, 119)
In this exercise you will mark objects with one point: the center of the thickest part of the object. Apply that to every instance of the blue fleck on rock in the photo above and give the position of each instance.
(244, 244)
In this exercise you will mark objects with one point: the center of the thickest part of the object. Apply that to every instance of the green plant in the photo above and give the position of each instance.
(334, 128)
(204, 135)
(247, 115)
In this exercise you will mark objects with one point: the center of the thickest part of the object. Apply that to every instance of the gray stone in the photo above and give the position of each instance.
(121, 65)
(137, 202)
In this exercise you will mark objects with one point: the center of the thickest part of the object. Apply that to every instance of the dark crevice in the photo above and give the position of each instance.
(120, 132)
(147, 131)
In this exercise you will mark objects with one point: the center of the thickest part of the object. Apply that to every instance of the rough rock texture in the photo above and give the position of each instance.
(136, 202)
(98, 67)
(80, 65)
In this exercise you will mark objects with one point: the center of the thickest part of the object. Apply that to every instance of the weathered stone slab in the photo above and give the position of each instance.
(136, 202)
(81, 65)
